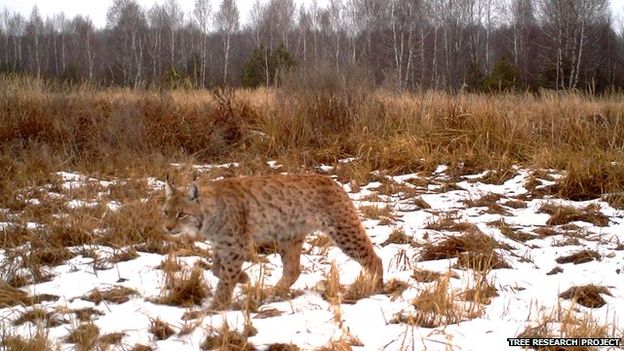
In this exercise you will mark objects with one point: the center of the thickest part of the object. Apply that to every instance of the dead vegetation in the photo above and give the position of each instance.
(226, 339)
(161, 330)
(473, 249)
(566, 214)
(579, 257)
(435, 306)
(186, 288)
(587, 295)
(115, 294)
(84, 336)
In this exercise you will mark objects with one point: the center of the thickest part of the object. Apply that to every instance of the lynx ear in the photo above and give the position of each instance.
(193, 192)
(169, 189)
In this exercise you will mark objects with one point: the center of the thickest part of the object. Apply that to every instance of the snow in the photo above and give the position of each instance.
(526, 293)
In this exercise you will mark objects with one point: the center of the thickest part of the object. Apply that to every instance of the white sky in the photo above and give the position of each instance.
(96, 9)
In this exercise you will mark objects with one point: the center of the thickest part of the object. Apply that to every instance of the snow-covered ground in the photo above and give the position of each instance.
(527, 295)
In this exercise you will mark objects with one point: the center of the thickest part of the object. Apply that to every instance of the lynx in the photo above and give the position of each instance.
(237, 213)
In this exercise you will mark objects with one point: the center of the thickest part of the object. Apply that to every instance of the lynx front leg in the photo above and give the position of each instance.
(230, 273)
(291, 254)
(216, 270)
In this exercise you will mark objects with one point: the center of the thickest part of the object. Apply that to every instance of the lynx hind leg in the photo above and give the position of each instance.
(355, 243)
(230, 273)
(290, 252)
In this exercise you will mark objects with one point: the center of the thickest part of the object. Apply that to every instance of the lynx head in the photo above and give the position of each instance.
(181, 212)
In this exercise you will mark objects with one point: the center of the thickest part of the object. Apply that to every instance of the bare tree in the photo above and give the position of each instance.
(568, 25)
(175, 17)
(128, 23)
(201, 14)
(227, 21)
(84, 32)
(34, 30)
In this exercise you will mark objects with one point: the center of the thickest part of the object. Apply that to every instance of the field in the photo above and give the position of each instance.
(495, 216)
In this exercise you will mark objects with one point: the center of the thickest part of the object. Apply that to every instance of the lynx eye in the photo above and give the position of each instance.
(182, 215)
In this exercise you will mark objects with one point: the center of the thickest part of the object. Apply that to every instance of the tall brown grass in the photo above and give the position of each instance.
(137, 132)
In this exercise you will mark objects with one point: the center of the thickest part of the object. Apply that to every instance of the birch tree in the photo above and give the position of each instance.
(201, 14)
(227, 21)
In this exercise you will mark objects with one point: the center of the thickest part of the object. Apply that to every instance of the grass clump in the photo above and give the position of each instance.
(85, 336)
(116, 294)
(226, 339)
(185, 288)
(566, 214)
(579, 257)
(587, 295)
(161, 330)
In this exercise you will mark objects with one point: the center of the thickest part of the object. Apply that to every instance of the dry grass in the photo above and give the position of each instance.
(579, 257)
(38, 341)
(226, 339)
(587, 295)
(385, 214)
(39, 316)
(84, 336)
(398, 236)
(566, 214)
(116, 294)
(283, 347)
(10, 296)
(510, 232)
(565, 323)
(436, 306)
(185, 289)
(160, 329)
(447, 221)
(490, 201)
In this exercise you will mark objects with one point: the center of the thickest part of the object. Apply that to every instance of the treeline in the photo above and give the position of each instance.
(479, 45)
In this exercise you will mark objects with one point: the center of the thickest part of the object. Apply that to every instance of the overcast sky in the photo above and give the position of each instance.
(96, 9)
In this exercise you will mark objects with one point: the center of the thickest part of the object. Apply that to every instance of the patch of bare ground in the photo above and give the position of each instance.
(579, 257)
(587, 295)
(510, 232)
(117, 294)
(490, 201)
(566, 214)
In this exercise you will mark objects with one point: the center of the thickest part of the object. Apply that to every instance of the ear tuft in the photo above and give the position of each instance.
(169, 189)
(193, 192)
